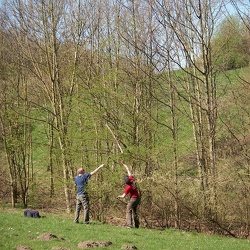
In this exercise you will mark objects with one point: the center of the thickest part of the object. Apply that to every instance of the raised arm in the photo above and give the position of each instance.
(128, 171)
(97, 169)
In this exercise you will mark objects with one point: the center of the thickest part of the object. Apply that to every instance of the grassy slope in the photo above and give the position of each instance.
(15, 229)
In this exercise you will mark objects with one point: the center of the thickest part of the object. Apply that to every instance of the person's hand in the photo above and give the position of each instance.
(101, 166)
(122, 161)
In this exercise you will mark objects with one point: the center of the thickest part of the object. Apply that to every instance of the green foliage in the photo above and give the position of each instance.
(123, 92)
(231, 45)
(17, 230)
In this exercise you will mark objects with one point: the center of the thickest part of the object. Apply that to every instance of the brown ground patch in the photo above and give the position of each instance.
(47, 236)
(23, 248)
(88, 244)
(129, 247)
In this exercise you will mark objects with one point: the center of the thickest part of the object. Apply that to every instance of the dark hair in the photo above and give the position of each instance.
(126, 179)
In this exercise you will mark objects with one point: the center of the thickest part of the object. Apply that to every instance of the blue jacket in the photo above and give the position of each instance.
(82, 181)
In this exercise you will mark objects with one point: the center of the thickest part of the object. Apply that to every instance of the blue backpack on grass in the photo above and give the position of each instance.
(31, 213)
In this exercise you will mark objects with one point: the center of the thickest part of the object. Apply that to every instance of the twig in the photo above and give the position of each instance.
(116, 140)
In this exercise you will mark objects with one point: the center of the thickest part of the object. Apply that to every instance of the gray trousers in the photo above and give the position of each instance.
(82, 201)
(131, 212)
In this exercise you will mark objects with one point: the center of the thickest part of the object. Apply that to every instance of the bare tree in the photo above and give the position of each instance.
(16, 127)
(42, 37)
(193, 23)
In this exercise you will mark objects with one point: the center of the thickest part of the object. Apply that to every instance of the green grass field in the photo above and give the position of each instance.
(17, 230)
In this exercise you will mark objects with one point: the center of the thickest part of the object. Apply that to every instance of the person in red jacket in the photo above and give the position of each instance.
(132, 191)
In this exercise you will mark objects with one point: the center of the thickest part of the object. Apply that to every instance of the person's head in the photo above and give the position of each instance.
(80, 171)
(128, 179)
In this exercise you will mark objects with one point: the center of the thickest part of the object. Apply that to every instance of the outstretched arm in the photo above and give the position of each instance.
(128, 171)
(97, 169)
(121, 196)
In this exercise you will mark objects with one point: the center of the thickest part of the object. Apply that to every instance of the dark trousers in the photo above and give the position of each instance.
(82, 201)
(131, 212)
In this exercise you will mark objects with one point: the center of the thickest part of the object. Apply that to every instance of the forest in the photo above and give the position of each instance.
(162, 84)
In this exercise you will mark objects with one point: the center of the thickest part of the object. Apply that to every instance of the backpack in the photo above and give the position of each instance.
(31, 213)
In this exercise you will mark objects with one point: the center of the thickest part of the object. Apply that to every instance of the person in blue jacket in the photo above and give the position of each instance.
(82, 199)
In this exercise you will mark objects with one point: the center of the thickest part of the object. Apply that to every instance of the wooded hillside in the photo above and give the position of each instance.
(162, 85)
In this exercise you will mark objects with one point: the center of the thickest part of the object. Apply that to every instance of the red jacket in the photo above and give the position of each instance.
(131, 190)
